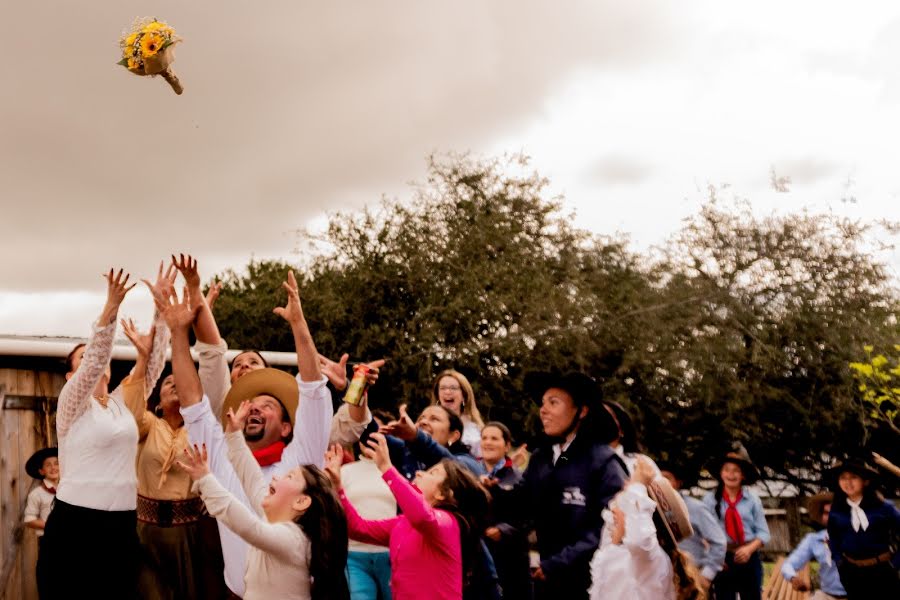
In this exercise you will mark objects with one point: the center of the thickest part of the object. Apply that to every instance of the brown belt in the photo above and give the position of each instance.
(166, 513)
(869, 562)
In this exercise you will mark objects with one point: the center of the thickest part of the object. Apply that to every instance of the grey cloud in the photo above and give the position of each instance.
(289, 109)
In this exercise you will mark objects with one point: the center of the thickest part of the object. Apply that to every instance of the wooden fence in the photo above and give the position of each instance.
(23, 430)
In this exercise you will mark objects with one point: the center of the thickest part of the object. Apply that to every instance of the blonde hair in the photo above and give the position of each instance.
(469, 408)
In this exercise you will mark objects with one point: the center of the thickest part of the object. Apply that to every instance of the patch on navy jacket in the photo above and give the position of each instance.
(573, 496)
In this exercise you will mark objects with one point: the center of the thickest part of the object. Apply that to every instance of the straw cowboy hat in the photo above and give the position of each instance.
(816, 504)
(264, 382)
(739, 456)
(36, 462)
(671, 508)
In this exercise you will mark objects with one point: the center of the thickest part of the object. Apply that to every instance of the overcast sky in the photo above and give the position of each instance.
(293, 109)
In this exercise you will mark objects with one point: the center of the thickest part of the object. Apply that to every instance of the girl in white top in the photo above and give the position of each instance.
(453, 391)
(631, 562)
(298, 518)
(297, 530)
(94, 515)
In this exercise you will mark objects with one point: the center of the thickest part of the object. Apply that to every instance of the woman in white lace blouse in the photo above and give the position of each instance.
(90, 546)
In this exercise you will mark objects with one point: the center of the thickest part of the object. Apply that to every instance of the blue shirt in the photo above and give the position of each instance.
(815, 547)
(707, 546)
(751, 510)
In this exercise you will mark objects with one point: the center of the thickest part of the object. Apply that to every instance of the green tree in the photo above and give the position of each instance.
(741, 327)
(878, 381)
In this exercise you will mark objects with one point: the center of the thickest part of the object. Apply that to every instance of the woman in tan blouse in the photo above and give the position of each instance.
(181, 556)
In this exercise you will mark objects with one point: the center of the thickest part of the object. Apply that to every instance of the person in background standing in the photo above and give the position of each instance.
(814, 546)
(863, 529)
(706, 547)
(740, 513)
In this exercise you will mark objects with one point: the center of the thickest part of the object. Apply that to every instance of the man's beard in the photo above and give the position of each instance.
(254, 436)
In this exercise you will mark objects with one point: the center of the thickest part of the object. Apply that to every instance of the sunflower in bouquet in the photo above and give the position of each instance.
(148, 49)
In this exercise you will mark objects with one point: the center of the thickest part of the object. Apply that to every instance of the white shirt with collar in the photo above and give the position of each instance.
(312, 424)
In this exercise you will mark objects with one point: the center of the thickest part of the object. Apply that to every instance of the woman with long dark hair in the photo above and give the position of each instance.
(507, 543)
(298, 534)
(434, 544)
(863, 532)
(740, 512)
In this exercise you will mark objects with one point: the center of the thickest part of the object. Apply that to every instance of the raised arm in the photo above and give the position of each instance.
(376, 532)
(210, 346)
(284, 540)
(292, 312)
(75, 396)
(179, 316)
(313, 419)
(245, 465)
(421, 515)
(205, 327)
(133, 388)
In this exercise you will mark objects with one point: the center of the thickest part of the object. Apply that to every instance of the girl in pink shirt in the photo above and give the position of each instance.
(434, 542)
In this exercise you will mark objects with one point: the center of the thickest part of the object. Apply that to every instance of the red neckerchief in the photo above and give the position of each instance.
(270, 454)
(52, 490)
(734, 525)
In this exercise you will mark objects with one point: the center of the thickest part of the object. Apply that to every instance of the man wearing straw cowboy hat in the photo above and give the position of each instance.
(814, 546)
(275, 397)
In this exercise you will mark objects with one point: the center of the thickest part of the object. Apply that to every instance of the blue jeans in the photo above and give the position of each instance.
(369, 575)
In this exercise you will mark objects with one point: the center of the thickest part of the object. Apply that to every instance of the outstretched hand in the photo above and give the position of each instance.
(403, 428)
(142, 342)
(187, 266)
(179, 314)
(291, 312)
(237, 420)
(336, 372)
(334, 459)
(195, 462)
(163, 286)
(212, 294)
(376, 449)
(116, 288)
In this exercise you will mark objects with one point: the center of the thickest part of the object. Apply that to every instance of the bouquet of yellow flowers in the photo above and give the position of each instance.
(149, 49)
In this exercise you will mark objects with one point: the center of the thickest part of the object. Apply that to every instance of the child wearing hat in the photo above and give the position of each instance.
(863, 529)
(814, 546)
(44, 467)
(740, 512)
(638, 556)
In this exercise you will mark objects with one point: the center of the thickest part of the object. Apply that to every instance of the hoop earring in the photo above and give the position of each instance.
(158, 411)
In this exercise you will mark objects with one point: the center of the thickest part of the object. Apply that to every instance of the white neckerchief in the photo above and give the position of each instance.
(858, 516)
(827, 550)
(558, 449)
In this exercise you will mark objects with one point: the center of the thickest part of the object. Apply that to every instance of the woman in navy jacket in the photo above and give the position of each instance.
(506, 541)
(863, 530)
(570, 479)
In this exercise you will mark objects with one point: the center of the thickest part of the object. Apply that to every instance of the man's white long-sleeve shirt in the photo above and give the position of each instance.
(312, 426)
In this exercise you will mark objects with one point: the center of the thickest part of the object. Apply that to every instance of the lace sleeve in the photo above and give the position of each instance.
(75, 396)
(157, 361)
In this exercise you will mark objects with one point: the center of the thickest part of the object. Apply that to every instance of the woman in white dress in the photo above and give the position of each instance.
(453, 391)
(638, 557)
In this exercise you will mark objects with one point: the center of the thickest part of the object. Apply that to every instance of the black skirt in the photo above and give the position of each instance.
(87, 553)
